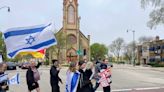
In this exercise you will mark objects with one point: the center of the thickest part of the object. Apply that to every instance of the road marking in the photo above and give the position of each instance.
(124, 90)
(118, 90)
(149, 88)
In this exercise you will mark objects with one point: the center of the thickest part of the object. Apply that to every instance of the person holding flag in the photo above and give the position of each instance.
(33, 76)
(105, 73)
(73, 76)
(29, 39)
(3, 78)
(5, 82)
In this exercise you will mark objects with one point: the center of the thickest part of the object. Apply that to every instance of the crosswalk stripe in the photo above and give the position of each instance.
(149, 88)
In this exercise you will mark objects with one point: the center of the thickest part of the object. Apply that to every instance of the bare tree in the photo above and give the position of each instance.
(157, 14)
(143, 39)
(128, 51)
(116, 47)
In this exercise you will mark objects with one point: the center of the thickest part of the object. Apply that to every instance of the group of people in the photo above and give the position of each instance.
(81, 76)
(33, 76)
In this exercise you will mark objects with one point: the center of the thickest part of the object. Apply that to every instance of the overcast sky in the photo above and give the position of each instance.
(104, 20)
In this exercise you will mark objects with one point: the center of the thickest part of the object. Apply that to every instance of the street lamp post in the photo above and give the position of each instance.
(8, 8)
(133, 53)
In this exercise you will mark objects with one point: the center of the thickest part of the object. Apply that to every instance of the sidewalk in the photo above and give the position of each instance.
(161, 69)
(127, 66)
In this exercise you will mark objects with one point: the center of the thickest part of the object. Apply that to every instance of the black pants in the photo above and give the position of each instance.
(96, 86)
(106, 89)
(55, 88)
(32, 87)
(2, 90)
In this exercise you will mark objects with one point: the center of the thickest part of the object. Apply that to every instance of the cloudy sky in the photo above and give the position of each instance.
(104, 20)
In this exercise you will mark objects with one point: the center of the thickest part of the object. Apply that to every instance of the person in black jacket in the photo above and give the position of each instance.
(54, 76)
(32, 77)
(89, 75)
(84, 82)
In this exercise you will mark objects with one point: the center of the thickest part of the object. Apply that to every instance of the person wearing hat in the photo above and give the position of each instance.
(54, 76)
(84, 81)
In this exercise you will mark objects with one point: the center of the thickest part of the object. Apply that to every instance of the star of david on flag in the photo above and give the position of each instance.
(33, 38)
(30, 40)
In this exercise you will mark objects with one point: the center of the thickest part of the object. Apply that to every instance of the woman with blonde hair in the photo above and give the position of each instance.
(89, 74)
(33, 76)
(85, 69)
(72, 78)
(89, 65)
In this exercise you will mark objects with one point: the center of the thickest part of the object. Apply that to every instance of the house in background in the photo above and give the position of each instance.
(152, 51)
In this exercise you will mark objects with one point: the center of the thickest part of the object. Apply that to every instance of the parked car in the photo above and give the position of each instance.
(11, 66)
(25, 65)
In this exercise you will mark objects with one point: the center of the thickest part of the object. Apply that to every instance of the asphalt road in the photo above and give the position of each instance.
(125, 79)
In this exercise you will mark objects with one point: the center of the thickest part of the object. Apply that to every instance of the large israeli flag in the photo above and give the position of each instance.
(28, 39)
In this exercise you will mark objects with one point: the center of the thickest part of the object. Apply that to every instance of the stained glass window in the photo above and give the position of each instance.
(71, 14)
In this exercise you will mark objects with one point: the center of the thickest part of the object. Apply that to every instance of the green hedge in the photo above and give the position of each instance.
(156, 64)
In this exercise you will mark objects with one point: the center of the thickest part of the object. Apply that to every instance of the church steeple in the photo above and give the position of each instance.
(76, 44)
(70, 14)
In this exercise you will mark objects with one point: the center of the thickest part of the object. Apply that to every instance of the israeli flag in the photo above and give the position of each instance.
(72, 81)
(3, 77)
(33, 38)
(14, 80)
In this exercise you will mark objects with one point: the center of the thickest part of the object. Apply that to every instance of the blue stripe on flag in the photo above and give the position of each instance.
(74, 81)
(24, 31)
(18, 78)
(3, 75)
(35, 47)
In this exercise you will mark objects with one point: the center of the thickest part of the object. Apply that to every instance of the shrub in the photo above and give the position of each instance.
(156, 64)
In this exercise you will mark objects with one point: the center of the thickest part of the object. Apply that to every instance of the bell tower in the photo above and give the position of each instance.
(71, 29)
(70, 14)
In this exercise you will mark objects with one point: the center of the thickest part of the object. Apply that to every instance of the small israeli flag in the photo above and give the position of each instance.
(14, 80)
(3, 78)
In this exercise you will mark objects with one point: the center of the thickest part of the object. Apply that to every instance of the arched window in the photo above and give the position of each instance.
(71, 39)
(71, 14)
